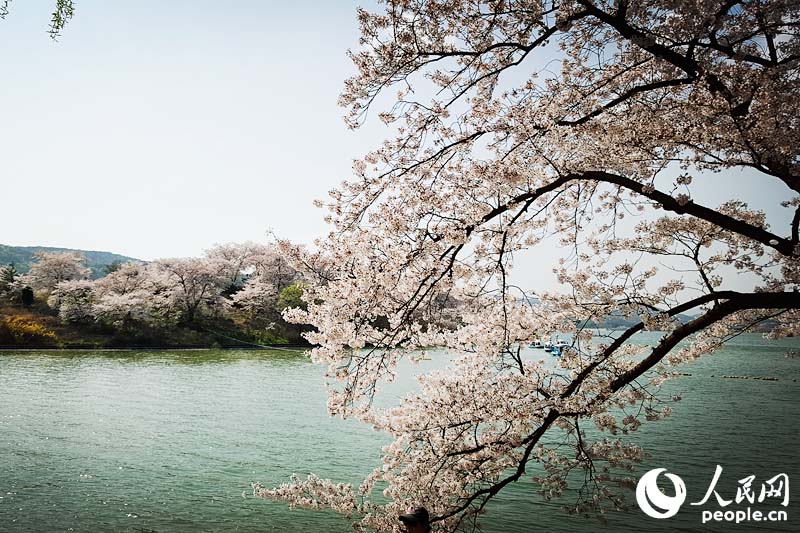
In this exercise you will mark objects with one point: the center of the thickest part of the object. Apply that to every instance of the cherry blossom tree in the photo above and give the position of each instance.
(242, 261)
(270, 265)
(195, 284)
(256, 297)
(134, 295)
(52, 268)
(516, 123)
(229, 278)
(234, 260)
(257, 273)
(73, 299)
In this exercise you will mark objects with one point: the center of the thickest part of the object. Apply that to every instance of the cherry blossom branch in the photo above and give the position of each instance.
(739, 302)
(424, 288)
(689, 65)
(627, 95)
(667, 202)
(784, 246)
(734, 302)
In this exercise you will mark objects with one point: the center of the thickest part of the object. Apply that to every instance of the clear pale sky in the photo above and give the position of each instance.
(159, 128)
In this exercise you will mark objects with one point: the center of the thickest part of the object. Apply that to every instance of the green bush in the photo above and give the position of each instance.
(269, 337)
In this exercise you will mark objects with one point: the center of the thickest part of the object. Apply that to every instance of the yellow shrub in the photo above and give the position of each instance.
(21, 330)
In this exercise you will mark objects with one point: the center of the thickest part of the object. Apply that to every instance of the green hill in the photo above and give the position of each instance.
(23, 256)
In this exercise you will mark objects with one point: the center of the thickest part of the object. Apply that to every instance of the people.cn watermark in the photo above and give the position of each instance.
(656, 504)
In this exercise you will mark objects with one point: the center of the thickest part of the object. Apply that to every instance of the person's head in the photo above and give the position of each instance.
(416, 520)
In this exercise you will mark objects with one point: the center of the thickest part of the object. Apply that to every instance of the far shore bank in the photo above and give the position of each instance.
(150, 348)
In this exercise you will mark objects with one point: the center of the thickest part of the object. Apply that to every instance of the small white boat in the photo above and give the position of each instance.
(558, 347)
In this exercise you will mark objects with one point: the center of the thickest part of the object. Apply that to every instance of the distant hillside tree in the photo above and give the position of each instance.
(111, 267)
(73, 300)
(133, 296)
(234, 259)
(8, 274)
(195, 284)
(256, 274)
(272, 266)
(256, 299)
(52, 268)
(291, 297)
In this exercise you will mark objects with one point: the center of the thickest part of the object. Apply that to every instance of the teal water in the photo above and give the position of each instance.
(159, 441)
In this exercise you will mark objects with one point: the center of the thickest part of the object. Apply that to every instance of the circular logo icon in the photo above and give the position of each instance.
(655, 503)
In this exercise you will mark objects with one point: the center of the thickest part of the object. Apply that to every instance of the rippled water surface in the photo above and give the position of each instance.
(161, 441)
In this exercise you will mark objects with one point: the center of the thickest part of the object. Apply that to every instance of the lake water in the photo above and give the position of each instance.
(160, 441)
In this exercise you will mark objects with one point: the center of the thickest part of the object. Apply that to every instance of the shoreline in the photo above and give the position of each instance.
(266, 347)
